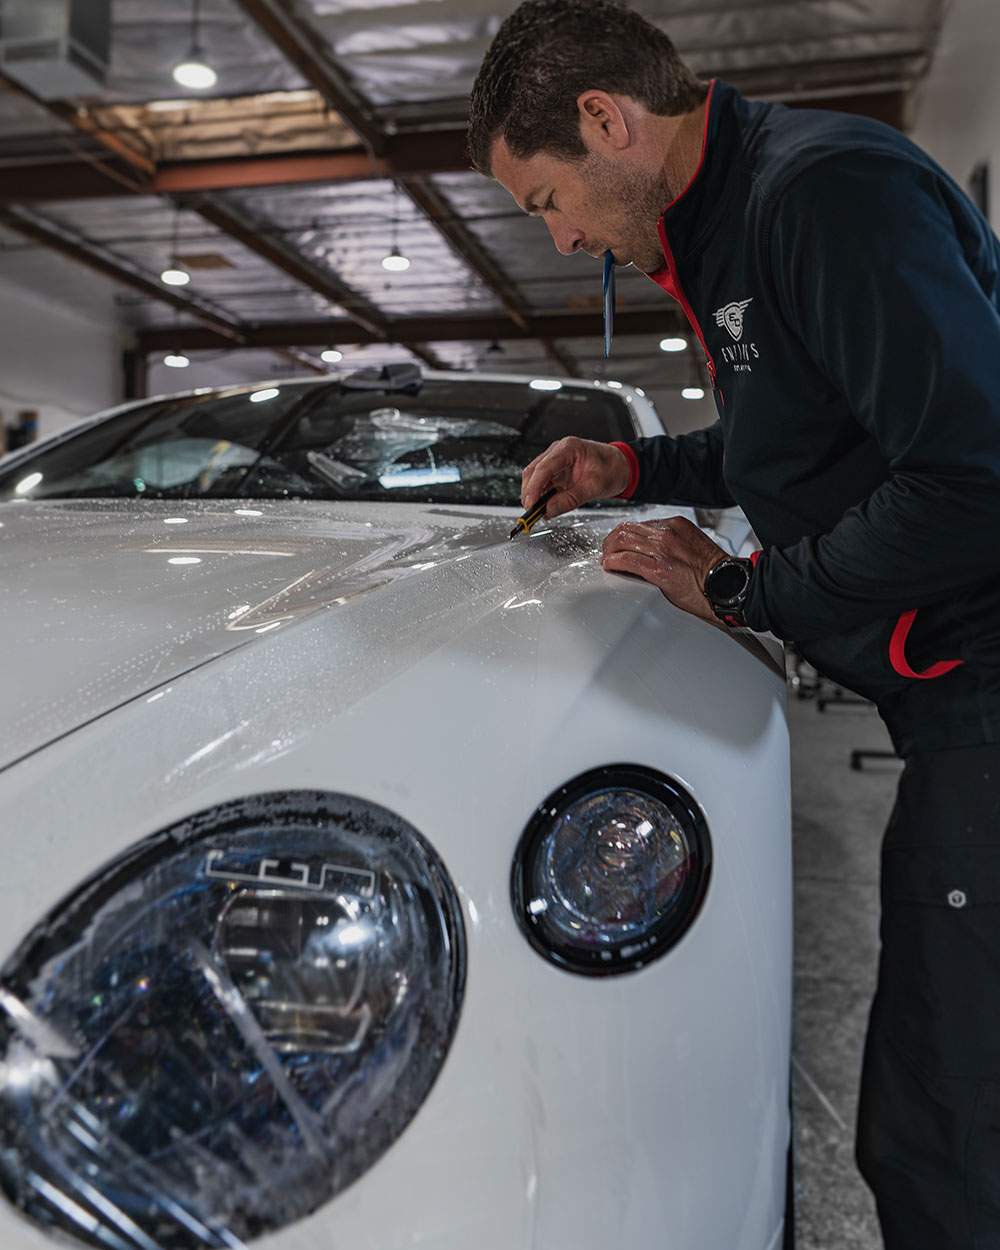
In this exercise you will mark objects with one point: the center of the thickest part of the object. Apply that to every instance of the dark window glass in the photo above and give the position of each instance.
(454, 441)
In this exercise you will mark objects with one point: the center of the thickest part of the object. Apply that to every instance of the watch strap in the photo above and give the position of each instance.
(730, 609)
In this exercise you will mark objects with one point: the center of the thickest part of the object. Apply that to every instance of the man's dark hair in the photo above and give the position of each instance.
(549, 51)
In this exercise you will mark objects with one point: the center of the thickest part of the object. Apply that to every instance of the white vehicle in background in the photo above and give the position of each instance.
(370, 879)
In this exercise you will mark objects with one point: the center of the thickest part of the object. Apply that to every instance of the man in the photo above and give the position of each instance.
(846, 294)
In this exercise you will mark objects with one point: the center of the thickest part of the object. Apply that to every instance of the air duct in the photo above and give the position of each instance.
(55, 48)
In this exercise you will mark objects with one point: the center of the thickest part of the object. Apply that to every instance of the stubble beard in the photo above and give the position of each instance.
(639, 199)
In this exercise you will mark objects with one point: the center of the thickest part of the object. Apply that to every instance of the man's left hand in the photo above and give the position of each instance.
(673, 555)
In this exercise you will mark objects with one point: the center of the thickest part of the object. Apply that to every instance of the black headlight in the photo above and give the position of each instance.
(611, 870)
(227, 1025)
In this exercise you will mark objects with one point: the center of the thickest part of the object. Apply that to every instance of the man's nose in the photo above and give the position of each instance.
(567, 238)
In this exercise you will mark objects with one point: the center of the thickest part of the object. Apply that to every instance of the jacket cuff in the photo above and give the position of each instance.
(633, 470)
(754, 609)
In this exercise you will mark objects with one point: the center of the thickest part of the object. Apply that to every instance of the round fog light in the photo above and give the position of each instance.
(611, 870)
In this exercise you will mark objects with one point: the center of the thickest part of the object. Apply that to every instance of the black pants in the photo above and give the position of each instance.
(929, 1115)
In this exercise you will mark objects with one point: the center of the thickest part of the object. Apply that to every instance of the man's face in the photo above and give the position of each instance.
(590, 205)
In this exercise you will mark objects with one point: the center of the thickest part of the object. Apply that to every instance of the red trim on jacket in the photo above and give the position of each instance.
(897, 652)
(704, 147)
(662, 276)
(754, 556)
(633, 470)
(666, 278)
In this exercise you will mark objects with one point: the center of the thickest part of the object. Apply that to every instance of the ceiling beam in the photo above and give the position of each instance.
(74, 246)
(57, 181)
(414, 154)
(78, 116)
(128, 168)
(478, 329)
(225, 328)
(824, 81)
(442, 215)
(254, 236)
(302, 47)
(299, 357)
(406, 155)
(226, 219)
(468, 249)
(299, 44)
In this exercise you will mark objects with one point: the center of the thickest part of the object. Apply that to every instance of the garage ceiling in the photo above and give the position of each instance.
(337, 128)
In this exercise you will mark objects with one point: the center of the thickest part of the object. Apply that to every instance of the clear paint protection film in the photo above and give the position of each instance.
(139, 595)
(228, 1025)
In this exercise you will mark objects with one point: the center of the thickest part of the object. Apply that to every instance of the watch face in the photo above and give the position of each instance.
(727, 581)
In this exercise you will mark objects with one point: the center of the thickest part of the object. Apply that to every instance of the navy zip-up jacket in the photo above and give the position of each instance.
(846, 293)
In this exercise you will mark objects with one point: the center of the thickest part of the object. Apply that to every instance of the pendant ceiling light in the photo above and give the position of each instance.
(175, 274)
(194, 71)
(395, 262)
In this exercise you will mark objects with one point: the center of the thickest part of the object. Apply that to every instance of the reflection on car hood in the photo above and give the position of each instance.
(105, 601)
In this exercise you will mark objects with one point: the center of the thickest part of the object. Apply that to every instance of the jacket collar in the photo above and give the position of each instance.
(692, 217)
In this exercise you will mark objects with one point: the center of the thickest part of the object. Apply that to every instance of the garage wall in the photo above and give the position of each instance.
(958, 105)
(64, 366)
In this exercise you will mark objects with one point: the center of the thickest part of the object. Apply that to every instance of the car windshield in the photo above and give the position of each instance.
(452, 441)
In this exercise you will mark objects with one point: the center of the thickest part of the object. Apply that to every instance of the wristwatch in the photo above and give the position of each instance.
(726, 588)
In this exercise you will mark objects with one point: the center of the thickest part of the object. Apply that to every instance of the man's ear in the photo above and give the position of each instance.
(603, 124)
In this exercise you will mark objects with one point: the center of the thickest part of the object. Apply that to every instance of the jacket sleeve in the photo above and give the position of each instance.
(683, 470)
(890, 279)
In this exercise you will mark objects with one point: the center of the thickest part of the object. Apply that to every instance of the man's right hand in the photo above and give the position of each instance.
(580, 469)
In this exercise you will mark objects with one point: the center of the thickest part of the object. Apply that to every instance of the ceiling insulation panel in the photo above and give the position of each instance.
(150, 37)
(142, 230)
(414, 63)
(414, 60)
(403, 57)
(349, 228)
(190, 130)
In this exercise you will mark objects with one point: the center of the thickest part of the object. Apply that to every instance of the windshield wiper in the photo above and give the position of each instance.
(404, 378)
(335, 472)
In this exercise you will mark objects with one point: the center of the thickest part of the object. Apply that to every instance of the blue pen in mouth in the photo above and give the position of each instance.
(609, 301)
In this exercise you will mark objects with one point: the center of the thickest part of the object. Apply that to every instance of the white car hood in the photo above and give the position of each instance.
(105, 602)
(415, 659)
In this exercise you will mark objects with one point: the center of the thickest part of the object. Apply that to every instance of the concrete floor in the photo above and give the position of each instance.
(838, 816)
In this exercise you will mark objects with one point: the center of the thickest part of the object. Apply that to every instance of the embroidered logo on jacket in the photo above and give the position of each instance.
(731, 316)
